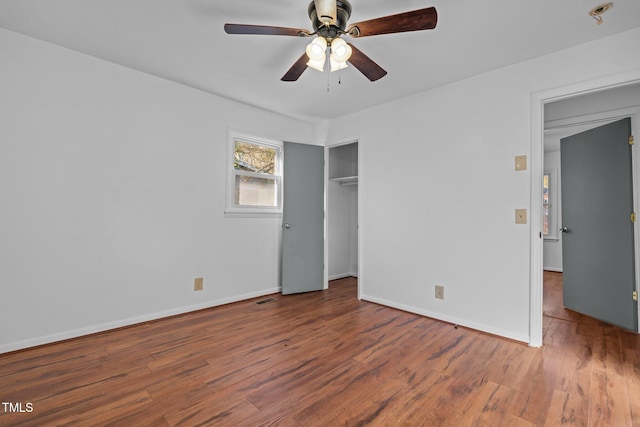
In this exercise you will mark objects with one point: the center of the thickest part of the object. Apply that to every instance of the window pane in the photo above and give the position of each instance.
(546, 214)
(254, 158)
(545, 220)
(250, 191)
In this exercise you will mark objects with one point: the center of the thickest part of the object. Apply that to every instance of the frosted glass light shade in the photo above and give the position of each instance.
(336, 65)
(317, 64)
(316, 49)
(340, 50)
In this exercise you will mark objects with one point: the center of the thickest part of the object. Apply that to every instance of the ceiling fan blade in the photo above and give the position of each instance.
(296, 69)
(416, 20)
(265, 30)
(366, 65)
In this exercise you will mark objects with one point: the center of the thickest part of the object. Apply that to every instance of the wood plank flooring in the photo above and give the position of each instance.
(327, 359)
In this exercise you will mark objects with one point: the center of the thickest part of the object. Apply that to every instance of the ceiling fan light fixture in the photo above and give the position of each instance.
(317, 64)
(340, 50)
(316, 49)
(336, 65)
(327, 11)
(329, 20)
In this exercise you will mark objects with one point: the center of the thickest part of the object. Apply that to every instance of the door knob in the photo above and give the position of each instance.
(564, 230)
(287, 226)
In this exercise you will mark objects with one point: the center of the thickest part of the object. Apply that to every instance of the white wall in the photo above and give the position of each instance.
(342, 221)
(443, 210)
(112, 191)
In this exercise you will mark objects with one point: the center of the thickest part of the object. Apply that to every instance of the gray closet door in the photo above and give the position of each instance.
(303, 218)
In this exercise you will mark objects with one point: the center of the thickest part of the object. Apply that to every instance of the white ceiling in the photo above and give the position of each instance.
(184, 41)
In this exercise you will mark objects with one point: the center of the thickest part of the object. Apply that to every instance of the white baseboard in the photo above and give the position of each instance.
(102, 327)
(342, 276)
(450, 319)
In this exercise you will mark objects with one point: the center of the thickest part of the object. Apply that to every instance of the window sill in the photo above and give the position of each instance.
(251, 214)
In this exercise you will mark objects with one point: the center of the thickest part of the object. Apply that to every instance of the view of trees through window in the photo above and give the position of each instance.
(256, 181)
(254, 158)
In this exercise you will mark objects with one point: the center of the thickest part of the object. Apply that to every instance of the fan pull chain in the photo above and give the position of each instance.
(328, 81)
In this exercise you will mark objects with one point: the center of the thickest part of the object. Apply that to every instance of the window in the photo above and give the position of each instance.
(549, 205)
(254, 175)
(546, 212)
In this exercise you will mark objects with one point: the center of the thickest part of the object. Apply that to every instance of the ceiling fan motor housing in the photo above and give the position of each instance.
(334, 30)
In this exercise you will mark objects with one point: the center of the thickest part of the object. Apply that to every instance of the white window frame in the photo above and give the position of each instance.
(231, 208)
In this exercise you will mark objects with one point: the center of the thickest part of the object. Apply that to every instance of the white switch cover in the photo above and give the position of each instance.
(521, 163)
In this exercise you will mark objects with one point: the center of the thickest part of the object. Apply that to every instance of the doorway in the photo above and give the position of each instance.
(572, 100)
(343, 242)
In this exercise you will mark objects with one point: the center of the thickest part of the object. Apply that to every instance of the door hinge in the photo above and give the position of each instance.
(635, 295)
(630, 139)
(633, 217)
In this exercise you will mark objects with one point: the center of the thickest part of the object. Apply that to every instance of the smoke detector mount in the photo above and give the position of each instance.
(597, 12)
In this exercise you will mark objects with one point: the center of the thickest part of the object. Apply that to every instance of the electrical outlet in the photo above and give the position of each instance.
(198, 283)
(439, 291)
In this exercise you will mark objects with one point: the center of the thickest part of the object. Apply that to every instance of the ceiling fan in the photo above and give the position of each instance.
(329, 20)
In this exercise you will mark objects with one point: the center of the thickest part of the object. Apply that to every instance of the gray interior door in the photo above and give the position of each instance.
(303, 219)
(598, 243)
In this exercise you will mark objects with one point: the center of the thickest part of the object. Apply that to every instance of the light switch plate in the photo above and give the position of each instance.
(521, 163)
(521, 216)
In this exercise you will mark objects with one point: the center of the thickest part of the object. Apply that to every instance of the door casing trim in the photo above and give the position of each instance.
(538, 101)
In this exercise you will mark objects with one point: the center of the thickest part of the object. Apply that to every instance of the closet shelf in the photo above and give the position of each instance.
(346, 180)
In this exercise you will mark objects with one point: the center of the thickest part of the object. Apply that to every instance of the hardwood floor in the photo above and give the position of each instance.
(325, 358)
